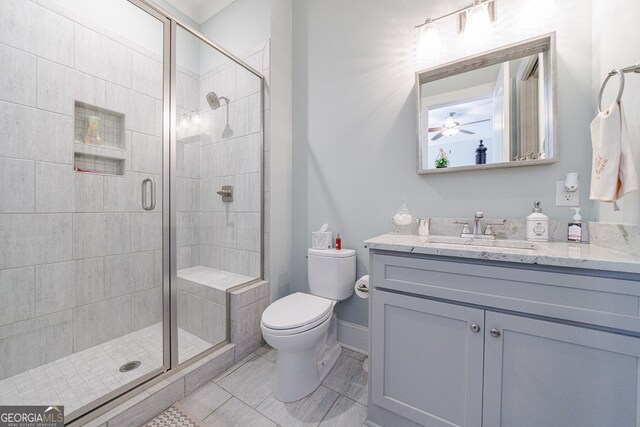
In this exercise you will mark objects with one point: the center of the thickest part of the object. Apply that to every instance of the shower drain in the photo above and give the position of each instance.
(130, 366)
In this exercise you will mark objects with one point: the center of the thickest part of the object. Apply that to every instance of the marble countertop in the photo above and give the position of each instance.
(561, 254)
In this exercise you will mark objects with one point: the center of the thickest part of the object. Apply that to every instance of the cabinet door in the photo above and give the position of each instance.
(426, 362)
(540, 373)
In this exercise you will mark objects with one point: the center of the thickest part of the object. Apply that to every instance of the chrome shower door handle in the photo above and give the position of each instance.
(152, 184)
(153, 194)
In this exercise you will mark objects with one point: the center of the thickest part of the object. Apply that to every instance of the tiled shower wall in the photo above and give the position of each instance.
(80, 260)
(218, 152)
(188, 171)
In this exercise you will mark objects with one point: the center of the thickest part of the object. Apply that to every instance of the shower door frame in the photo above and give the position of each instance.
(170, 303)
(169, 222)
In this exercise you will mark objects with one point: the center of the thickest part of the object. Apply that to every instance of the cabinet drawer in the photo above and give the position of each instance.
(570, 295)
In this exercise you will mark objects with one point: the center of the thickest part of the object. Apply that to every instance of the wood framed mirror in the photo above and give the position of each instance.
(493, 110)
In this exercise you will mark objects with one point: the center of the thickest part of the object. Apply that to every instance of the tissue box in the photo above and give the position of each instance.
(321, 240)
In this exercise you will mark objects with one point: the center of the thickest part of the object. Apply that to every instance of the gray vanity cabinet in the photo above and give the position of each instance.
(479, 344)
(428, 360)
(539, 373)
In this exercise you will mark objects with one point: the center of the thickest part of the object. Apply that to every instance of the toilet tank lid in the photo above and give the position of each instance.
(334, 253)
(296, 310)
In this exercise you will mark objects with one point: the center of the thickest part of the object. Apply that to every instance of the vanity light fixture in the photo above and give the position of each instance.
(478, 14)
(477, 19)
(427, 37)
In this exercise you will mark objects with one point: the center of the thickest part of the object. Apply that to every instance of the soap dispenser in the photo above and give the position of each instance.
(574, 233)
(537, 225)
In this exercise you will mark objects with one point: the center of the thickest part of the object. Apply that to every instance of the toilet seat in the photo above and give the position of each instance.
(294, 331)
(296, 313)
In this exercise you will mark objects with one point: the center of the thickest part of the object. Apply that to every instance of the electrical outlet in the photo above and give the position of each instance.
(566, 198)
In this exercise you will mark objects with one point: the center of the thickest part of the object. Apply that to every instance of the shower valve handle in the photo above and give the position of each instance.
(226, 193)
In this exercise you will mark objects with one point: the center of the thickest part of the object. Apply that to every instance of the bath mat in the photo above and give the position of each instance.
(175, 416)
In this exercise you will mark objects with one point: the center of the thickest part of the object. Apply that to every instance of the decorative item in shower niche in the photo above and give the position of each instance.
(402, 221)
(442, 161)
(93, 131)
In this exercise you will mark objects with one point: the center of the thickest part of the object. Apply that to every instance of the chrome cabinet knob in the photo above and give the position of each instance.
(475, 328)
(495, 333)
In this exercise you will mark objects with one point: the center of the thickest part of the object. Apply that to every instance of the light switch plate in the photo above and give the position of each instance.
(566, 198)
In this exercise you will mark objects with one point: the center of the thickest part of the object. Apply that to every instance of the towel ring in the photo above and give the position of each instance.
(604, 84)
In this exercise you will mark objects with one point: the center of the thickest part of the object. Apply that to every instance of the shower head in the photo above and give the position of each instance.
(214, 100)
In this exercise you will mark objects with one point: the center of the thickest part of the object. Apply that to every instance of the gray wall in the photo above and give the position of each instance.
(354, 122)
(278, 142)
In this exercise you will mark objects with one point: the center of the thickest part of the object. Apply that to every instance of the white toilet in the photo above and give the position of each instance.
(303, 328)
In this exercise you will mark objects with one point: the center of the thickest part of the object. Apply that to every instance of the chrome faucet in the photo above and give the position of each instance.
(477, 226)
(477, 233)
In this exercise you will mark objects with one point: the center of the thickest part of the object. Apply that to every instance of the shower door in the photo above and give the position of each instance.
(218, 187)
(83, 206)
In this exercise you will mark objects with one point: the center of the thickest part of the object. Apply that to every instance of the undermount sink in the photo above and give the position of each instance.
(463, 241)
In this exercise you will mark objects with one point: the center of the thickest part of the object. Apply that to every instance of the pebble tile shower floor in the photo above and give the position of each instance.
(80, 378)
(242, 396)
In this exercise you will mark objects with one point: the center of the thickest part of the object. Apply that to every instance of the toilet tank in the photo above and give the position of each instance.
(332, 273)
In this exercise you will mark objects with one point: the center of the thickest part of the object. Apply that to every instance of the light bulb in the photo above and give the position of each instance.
(195, 119)
(449, 122)
(184, 122)
(478, 19)
(450, 132)
(428, 42)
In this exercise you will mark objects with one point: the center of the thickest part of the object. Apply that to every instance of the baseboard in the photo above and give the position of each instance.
(353, 336)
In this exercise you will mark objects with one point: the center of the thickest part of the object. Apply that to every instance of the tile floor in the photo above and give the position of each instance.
(82, 377)
(242, 396)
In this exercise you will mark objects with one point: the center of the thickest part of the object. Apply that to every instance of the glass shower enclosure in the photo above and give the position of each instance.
(130, 197)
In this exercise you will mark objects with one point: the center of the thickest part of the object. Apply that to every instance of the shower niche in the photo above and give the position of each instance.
(98, 140)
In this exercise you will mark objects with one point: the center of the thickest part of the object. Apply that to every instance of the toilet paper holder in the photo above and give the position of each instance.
(363, 288)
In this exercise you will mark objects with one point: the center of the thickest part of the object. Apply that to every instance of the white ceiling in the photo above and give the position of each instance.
(200, 10)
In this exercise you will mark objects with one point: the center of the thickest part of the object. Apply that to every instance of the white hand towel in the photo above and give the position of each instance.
(613, 172)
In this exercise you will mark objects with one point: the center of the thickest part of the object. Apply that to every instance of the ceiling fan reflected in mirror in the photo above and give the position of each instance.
(451, 127)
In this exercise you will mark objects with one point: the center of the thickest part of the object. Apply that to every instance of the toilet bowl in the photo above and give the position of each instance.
(303, 326)
(307, 352)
